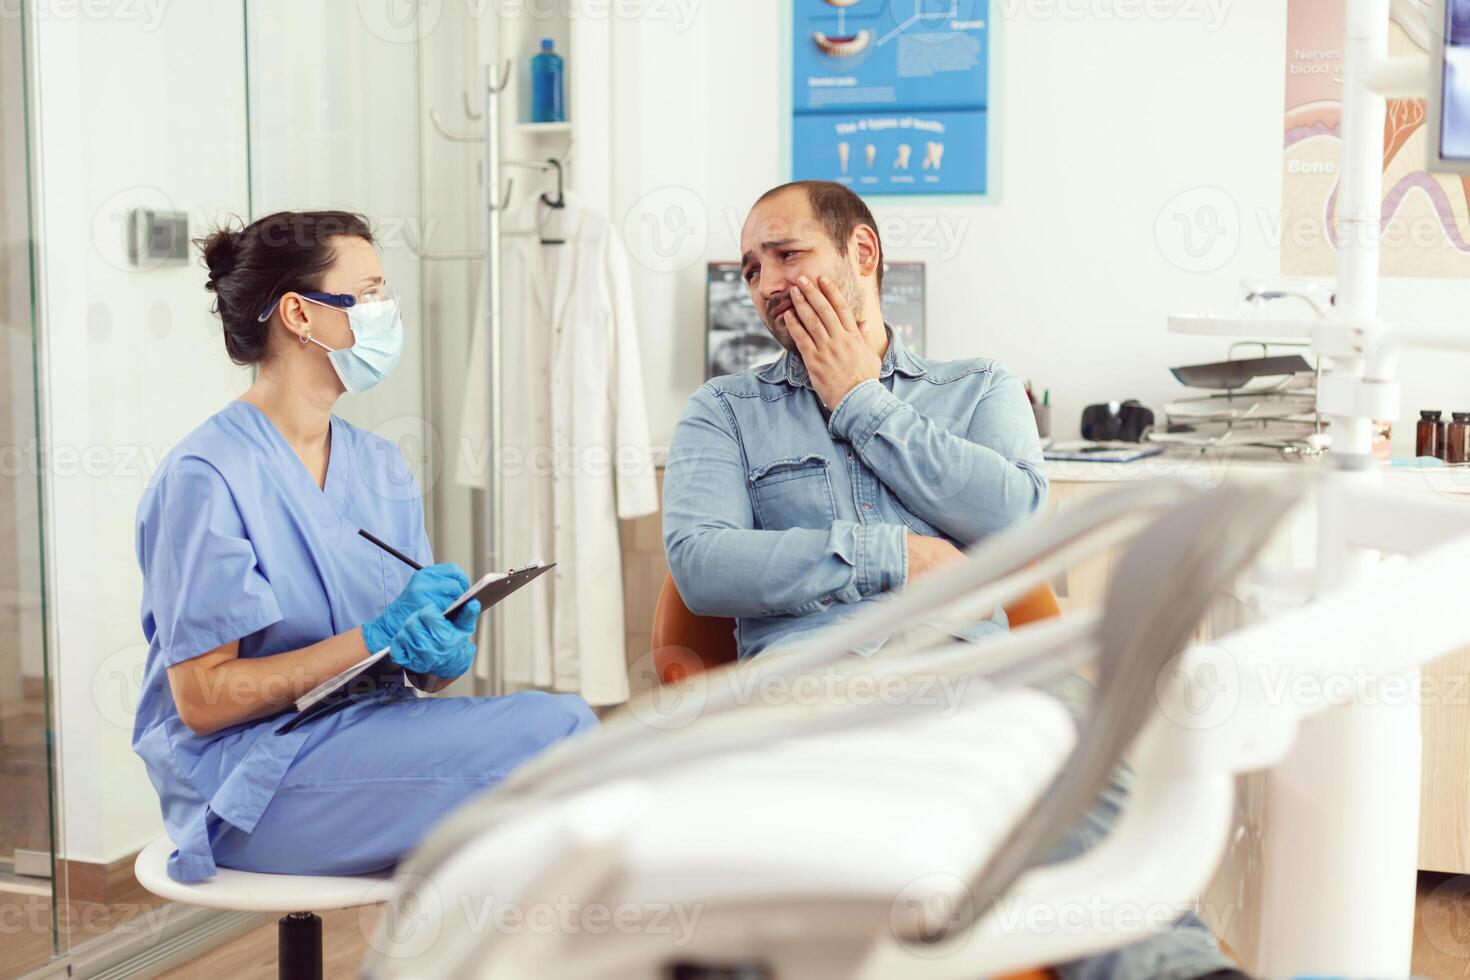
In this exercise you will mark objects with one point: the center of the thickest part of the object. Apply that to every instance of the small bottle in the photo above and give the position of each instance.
(1429, 435)
(547, 97)
(1457, 438)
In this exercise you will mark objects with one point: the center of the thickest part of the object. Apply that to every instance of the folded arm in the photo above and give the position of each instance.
(724, 566)
(968, 486)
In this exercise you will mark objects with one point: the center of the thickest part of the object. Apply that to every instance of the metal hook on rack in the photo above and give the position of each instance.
(445, 132)
(470, 110)
(504, 204)
(560, 201)
(469, 107)
(496, 89)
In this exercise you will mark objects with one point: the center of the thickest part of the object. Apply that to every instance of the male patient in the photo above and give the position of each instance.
(850, 467)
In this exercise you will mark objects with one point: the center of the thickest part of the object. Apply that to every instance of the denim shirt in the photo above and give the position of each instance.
(787, 517)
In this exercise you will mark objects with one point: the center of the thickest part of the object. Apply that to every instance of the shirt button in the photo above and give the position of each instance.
(826, 600)
(867, 506)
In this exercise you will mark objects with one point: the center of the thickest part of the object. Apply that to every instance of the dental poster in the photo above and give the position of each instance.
(890, 96)
(1426, 216)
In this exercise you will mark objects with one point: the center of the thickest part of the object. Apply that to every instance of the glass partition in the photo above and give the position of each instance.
(200, 115)
(27, 800)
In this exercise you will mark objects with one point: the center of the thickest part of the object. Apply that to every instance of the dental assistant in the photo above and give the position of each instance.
(256, 587)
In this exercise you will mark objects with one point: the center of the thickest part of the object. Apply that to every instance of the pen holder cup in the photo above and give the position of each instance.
(1043, 420)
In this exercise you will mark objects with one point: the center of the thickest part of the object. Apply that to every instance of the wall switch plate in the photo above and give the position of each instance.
(157, 237)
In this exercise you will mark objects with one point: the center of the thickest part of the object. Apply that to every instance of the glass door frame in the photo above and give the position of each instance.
(28, 115)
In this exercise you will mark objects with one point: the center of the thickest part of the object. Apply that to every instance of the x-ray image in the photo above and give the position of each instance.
(736, 340)
(1454, 101)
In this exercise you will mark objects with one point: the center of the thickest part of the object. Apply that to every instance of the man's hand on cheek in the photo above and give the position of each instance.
(831, 343)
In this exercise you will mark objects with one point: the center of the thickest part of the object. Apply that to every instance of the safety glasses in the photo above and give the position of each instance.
(376, 293)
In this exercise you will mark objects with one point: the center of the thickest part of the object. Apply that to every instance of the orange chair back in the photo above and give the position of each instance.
(685, 644)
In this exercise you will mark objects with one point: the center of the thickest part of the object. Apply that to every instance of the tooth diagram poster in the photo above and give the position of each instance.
(891, 96)
(1426, 216)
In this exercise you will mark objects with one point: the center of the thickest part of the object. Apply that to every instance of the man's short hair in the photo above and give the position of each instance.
(839, 209)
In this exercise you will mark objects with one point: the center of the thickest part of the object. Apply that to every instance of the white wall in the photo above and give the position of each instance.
(1100, 123)
(131, 112)
(334, 123)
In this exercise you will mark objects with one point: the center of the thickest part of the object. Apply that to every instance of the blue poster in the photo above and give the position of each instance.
(891, 96)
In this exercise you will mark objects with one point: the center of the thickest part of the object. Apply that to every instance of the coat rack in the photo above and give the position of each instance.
(495, 82)
(549, 165)
(496, 201)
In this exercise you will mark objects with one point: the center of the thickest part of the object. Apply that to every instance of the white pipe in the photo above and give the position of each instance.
(1341, 846)
(495, 632)
(1340, 843)
(1383, 360)
(1398, 78)
(1360, 186)
(1359, 201)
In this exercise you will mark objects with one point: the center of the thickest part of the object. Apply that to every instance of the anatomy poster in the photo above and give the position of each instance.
(890, 96)
(1426, 217)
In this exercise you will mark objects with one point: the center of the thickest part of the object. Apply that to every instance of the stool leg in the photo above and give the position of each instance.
(299, 952)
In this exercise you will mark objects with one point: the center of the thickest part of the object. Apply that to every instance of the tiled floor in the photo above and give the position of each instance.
(26, 939)
(253, 955)
(25, 917)
(23, 810)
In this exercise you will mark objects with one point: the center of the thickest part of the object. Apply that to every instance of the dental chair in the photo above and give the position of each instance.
(712, 830)
(685, 643)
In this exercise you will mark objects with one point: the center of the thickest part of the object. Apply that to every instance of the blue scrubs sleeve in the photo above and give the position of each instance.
(204, 585)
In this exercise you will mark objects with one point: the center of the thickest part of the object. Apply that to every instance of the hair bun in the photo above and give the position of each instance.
(220, 253)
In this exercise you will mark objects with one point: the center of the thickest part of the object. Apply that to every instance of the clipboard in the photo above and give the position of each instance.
(373, 672)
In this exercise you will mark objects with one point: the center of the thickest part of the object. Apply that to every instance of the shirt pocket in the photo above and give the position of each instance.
(793, 492)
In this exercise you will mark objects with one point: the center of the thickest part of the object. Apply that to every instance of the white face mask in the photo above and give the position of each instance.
(377, 343)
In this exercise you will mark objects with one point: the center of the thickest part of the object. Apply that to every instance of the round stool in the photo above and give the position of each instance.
(299, 954)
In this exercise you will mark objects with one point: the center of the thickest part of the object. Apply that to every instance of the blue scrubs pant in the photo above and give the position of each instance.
(371, 780)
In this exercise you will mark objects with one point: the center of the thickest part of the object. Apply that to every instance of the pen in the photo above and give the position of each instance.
(391, 550)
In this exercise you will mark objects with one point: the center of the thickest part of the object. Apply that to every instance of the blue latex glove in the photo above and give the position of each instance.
(436, 586)
(431, 644)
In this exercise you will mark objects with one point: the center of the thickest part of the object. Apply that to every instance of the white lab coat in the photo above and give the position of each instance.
(575, 456)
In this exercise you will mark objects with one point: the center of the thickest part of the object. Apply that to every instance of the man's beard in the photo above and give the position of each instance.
(847, 285)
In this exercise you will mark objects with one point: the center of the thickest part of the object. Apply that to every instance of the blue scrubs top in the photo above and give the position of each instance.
(237, 542)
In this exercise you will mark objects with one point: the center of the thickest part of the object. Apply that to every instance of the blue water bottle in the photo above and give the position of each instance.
(547, 102)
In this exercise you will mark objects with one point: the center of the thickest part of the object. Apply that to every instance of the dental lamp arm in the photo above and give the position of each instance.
(725, 566)
(967, 486)
(1383, 356)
